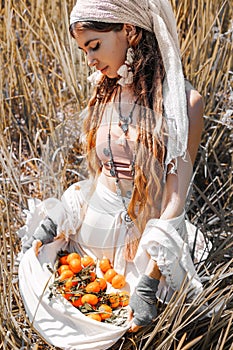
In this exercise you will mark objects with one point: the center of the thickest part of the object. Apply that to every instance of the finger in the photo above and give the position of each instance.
(36, 246)
(134, 328)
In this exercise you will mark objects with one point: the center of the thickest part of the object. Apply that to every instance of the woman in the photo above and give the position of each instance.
(141, 133)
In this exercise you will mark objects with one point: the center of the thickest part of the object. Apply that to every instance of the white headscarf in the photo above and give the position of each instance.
(155, 16)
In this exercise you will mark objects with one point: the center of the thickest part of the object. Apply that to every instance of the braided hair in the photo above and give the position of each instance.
(148, 72)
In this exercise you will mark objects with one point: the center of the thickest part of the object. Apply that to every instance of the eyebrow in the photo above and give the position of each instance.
(88, 42)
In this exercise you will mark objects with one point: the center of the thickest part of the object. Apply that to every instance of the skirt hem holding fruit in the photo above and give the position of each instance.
(57, 320)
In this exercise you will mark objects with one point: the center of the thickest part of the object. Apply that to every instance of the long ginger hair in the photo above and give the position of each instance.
(147, 84)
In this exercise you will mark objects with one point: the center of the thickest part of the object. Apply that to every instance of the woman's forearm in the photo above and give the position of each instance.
(175, 190)
(177, 185)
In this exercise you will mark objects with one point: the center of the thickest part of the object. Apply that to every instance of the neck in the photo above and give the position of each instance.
(127, 93)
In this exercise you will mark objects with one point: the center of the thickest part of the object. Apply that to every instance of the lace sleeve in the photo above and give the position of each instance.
(66, 213)
(165, 243)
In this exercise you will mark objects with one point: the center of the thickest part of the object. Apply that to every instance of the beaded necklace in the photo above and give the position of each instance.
(132, 234)
(114, 173)
(124, 122)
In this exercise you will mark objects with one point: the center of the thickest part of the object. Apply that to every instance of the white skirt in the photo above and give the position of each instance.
(91, 223)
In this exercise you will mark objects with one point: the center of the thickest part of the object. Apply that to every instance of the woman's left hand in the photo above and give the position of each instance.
(142, 303)
(134, 328)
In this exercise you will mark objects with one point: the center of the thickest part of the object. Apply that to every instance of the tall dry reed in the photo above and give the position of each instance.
(42, 90)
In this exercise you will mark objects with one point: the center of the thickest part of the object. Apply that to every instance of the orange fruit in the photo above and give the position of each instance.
(70, 283)
(95, 317)
(67, 296)
(93, 287)
(92, 276)
(75, 265)
(106, 311)
(105, 264)
(118, 281)
(124, 298)
(63, 268)
(63, 260)
(102, 283)
(66, 274)
(90, 299)
(108, 276)
(87, 260)
(114, 300)
(72, 256)
(77, 302)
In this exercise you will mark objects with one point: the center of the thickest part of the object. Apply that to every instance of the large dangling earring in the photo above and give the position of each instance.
(125, 71)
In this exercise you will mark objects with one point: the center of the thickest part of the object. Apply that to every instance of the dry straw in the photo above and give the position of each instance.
(42, 89)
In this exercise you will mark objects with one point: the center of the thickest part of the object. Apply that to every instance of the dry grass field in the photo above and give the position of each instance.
(42, 90)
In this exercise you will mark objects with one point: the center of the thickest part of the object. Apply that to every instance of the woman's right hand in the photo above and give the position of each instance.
(36, 244)
(45, 233)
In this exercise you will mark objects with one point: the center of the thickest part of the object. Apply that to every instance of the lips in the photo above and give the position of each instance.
(104, 70)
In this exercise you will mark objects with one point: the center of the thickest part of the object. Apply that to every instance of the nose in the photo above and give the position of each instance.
(91, 61)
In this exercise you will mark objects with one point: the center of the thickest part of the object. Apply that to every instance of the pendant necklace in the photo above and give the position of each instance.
(132, 234)
(113, 171)
(124, 121)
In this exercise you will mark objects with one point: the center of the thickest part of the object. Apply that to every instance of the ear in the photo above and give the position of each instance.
(130, 30)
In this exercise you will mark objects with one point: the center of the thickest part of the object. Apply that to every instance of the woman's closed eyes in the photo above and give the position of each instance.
(97, 46)
(88, 47)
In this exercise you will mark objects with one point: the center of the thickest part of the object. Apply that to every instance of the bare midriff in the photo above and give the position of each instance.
(123, 151)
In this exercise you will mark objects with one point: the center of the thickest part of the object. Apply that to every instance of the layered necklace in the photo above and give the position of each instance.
(132, 234)
(124, 122)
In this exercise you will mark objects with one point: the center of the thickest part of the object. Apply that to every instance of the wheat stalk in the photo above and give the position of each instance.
(42, 90)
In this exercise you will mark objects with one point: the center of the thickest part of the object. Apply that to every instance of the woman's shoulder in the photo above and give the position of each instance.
(195, 101)
(195, 108)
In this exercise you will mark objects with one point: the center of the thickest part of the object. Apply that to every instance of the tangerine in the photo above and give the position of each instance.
(109, 274)
(114, 300)
(92, 276)
(70, 283)
(105, 264)
(124, 298)
(72, 256)
(90, 299)
(102, 283)
(66, 274)
(63, 268)
(118, 281)
(63, 260)
(77, 302)
(67, 296)
(93, 287)
(87, 260)
(95, 317)
(106, 311)
(75, 265)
